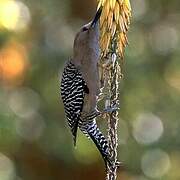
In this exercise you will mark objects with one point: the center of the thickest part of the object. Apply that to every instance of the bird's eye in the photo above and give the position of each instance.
(85, 29)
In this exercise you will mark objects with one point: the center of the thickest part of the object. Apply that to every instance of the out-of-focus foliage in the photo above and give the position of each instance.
(36, 38)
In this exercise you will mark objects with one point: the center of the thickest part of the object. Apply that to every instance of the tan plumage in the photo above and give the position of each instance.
(87, 62)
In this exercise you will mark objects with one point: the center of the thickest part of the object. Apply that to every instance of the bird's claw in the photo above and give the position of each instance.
(110, 110)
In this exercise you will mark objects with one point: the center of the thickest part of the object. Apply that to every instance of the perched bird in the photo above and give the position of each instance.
(80, 86)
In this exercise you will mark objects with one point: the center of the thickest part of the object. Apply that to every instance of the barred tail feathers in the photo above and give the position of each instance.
(91, 130)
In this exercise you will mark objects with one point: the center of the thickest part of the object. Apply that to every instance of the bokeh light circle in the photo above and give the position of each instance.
(24, 102)
(155, 163)
(14, 15)
(7, 169)
(147, 128)
(13, 63)
(159, 41)
(56, 34)
(139, 8)
(30, 128)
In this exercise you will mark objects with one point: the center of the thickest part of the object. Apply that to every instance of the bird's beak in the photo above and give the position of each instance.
(96, 18)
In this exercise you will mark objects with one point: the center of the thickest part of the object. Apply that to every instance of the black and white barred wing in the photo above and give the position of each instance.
(72, 93)
(73, 89)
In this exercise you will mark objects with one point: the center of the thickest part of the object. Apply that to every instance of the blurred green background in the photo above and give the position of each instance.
(36, 38)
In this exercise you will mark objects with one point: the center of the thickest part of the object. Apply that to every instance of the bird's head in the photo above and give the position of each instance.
(88, 36)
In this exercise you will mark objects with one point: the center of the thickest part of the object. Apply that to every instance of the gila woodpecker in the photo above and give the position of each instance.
(80, 86)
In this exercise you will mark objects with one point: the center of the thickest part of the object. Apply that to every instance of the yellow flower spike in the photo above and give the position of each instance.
(112, 4)
(121, 24)
(122, 38)
(114, 23)
(103, 32)
(102, 19)
(127, 3)
(101, 3)
(110, 20)
(120, 1)
(107, 7)
(116, 12)
(105, 12)
(113, 29)
(107, 45)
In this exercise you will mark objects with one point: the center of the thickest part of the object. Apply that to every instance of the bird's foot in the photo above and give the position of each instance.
(109, 110)
(90, 116)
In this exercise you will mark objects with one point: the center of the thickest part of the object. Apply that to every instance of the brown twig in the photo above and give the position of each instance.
(113, 120)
